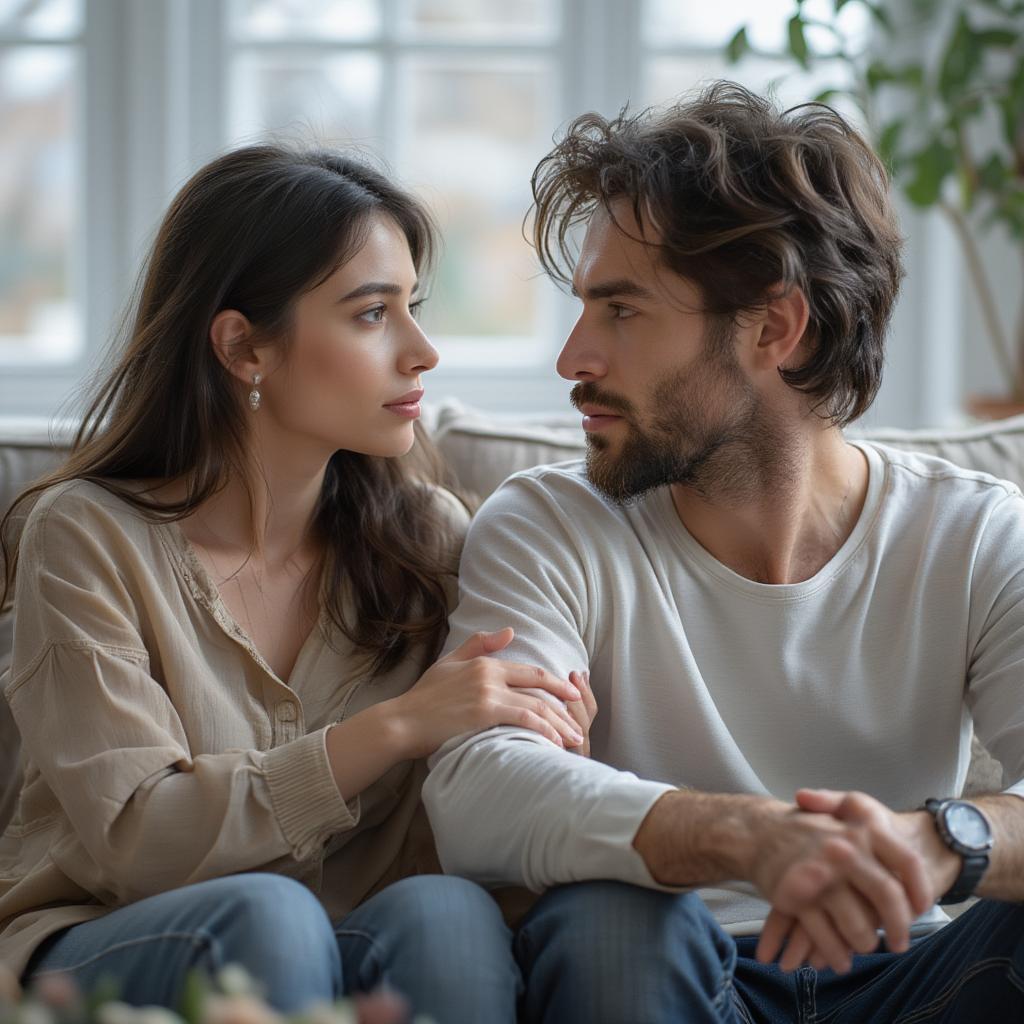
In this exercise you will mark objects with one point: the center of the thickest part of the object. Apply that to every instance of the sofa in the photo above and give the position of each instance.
(483, 449)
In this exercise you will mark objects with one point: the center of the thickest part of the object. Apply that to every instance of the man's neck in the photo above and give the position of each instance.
(782, 526)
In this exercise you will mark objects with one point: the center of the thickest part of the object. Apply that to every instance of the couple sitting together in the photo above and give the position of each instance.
(258, 721)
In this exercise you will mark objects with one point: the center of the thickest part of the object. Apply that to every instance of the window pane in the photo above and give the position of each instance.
(306, 96)
(479, 19)
(671, 23)
(39, 317)
(476, 169)
(41, 19)
(669, 78)
(319, 19)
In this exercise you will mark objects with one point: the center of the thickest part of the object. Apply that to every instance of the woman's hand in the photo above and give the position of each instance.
(583, 711)
(467, 691)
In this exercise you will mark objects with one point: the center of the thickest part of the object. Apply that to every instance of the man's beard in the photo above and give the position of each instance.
(708, 431)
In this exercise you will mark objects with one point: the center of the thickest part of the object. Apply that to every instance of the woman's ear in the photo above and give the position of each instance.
(783, 327)
(231, 337)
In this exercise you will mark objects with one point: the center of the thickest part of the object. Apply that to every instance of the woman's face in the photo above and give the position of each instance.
(351, 376)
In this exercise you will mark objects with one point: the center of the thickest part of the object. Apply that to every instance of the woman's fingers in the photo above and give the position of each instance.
(555, 715)
(532, 677)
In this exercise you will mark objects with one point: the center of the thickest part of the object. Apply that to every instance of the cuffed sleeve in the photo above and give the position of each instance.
(306, 800)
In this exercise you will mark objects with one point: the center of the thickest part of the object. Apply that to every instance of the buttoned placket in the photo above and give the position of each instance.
(280, 701)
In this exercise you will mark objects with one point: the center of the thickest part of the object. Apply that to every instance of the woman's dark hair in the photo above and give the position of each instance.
(252, 231)
(747, 200)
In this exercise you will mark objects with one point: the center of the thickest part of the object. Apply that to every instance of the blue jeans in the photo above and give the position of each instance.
(439, 941)
(608, 953)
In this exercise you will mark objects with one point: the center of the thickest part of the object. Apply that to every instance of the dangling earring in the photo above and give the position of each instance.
(254, 395)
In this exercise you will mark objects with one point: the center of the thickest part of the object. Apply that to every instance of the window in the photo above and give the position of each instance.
(40, 309)
(108, 105)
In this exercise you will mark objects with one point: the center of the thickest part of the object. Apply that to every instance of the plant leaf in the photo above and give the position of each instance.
(962, 59)
(738, 45)
(798, 42)
(826, 95)
(931, 166)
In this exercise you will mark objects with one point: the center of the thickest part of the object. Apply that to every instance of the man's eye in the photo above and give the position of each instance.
(621, 312)
(373, 316)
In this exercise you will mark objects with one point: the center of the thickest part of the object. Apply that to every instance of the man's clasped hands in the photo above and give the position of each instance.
(841, 866)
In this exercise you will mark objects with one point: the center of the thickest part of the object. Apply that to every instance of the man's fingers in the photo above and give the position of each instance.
(777, 927)
(883, 893)
(819, 801)
(908, 866)
(854, 919)
(828, 942)
(798, 949)
(802, 884)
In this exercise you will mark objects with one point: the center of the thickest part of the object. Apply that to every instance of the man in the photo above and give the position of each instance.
(763, 606)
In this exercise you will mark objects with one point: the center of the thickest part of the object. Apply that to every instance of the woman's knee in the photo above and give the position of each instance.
(439, 914)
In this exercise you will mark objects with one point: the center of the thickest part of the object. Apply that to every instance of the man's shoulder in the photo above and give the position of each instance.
(559, 489)
(922, 475)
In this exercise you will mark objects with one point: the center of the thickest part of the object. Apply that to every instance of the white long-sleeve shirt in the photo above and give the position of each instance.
(866, 676)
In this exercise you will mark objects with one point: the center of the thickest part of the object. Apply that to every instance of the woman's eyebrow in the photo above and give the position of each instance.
(377, 288)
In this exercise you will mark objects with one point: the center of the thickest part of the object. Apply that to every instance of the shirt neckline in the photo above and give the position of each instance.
(694, 552)
(203, 588)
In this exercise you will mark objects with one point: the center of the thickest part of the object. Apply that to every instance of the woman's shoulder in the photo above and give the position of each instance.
(85, 506)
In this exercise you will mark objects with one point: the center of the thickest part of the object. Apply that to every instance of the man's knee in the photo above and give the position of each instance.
(599, 920)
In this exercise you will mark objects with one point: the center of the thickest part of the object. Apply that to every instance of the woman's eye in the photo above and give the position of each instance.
(373, 316)
(415, 308)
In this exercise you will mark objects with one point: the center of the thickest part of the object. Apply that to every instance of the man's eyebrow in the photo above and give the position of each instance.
(376, 288)
(622, 287)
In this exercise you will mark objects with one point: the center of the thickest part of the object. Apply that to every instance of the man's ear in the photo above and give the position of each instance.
(783, 327)
(231, 336)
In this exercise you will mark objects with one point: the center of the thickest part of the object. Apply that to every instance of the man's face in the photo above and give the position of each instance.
(664, 397)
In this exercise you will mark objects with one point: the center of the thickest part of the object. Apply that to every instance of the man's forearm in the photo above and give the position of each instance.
(1004, 879)
(701, 839)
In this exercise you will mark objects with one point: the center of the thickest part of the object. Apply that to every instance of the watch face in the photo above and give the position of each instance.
(967, 825)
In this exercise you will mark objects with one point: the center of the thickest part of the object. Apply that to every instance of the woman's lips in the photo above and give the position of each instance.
(410, 410)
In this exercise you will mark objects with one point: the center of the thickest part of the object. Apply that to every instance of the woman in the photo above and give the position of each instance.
(226, 603)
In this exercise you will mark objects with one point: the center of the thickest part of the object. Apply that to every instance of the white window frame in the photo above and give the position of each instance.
(153, 108)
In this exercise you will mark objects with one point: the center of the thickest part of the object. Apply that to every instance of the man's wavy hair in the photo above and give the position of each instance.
(749, 201)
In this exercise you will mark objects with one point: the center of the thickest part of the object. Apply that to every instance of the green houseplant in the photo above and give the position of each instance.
(940, 84)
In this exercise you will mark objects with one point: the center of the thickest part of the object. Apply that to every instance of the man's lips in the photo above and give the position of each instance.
(597, 418)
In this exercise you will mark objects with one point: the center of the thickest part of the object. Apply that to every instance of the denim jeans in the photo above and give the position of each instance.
(589, 953)
(439, 941)
(608, 953)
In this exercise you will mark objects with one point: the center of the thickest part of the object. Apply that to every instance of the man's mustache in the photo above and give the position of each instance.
(587, 393)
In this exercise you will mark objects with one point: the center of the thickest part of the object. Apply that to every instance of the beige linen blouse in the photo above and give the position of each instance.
(159, 749)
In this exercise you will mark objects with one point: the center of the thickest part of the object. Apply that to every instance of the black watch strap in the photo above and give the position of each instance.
(967, 881)
(974, 862)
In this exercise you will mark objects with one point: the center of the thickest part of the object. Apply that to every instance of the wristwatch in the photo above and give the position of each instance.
(966, 831)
